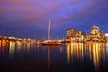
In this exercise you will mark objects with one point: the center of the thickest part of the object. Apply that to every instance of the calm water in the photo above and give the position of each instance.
(71, 57)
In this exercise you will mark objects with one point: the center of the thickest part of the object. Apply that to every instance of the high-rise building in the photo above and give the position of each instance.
(69, 33)
(77, 33)
(95, 35)
(95, 30)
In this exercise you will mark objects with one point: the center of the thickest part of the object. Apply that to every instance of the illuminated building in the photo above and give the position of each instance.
(95, 31)
(96, 34)
(77, 36)
(69, 33)
(78, 33)
(106, 39)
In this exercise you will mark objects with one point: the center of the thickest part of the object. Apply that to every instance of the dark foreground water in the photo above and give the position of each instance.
(71, 57)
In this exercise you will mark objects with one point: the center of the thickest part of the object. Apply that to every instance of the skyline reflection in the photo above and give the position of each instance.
(11, 47)
(95, 52)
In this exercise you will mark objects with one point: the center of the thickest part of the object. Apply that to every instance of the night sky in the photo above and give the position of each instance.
(29, 18)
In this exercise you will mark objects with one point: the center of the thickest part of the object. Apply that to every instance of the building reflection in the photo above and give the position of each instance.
(23, 46)
(95, 52)
(11, 47)
(4, 44)
(3, 47)
(106, 51)
(75, 50)
(0, 43)
(27, 46)
(19, 45)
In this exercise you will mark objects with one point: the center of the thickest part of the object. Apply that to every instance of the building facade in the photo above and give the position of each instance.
(95, 34)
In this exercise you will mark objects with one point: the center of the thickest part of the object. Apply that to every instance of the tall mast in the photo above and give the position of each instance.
(49, 29)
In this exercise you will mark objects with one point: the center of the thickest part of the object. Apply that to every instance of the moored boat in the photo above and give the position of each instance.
(49, 41)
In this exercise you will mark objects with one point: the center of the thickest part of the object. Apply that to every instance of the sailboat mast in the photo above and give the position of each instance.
(49, 29)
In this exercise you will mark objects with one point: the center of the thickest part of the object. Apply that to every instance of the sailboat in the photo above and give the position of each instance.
(49, 41)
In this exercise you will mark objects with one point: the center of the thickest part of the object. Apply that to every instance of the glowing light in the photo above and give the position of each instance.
(11, 48)
(106, 34)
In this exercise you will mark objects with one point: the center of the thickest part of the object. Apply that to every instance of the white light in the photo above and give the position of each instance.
(106, 34)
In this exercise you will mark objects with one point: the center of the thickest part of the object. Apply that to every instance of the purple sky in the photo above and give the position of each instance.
(29, 18)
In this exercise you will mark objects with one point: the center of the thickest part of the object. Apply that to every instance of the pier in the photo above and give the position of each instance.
(6, 40)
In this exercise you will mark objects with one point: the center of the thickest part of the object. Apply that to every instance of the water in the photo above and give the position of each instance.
(71, 57)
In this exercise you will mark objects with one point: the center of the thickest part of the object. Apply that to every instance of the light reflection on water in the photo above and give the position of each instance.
(11, 47)
(96, 53)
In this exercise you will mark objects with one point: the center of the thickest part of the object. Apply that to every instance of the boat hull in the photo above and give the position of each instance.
(51, 43)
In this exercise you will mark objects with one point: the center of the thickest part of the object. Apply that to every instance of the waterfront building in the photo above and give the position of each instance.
(69, 33)
(95, 31)
(95, 34)
(78, 35)
(102, 36)
(106, 38)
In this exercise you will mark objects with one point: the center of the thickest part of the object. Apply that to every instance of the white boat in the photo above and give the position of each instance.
(49, 42)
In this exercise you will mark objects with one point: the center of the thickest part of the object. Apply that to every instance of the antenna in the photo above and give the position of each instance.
(49, 29)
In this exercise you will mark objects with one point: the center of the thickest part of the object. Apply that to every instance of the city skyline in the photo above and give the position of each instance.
(54, 35)
(58, 36)
(30, 18)
(70, 33)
